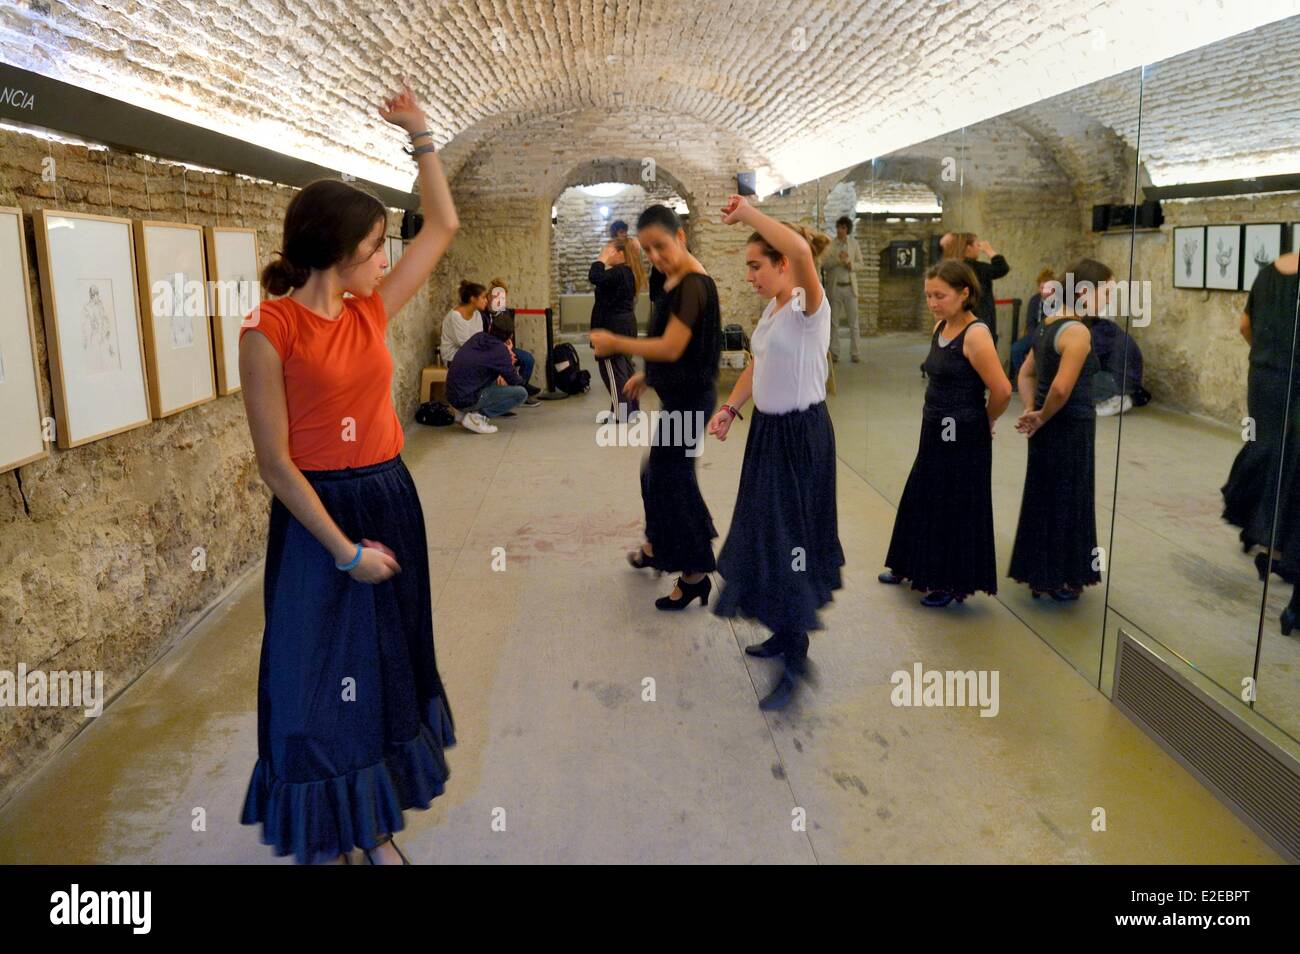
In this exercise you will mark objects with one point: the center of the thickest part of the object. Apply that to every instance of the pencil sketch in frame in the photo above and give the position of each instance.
(92, 324)
(236, 290)
(1262, 244)
(1223, 257)
(1189, 256)
(21, 437)
(177, 329)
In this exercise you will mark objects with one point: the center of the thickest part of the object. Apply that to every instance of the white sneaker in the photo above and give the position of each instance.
(1109, 407)
(1127, 405)
(476, 422)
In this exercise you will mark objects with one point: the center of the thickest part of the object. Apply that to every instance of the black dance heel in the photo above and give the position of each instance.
(371, 861)
(937, 599)
(643, 561)
(794, 668)
(689, 592)
(1289, 614)
(890, 577)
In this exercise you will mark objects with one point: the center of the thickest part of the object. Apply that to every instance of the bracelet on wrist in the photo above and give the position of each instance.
(351, 564)
(732, 411)
(416, 135)
(421, 150)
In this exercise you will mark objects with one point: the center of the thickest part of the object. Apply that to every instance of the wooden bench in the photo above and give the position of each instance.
(433, 383)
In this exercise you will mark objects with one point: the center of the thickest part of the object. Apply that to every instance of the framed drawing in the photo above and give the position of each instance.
(22, 439)
(92, 324)
(1263, 243)
(1223, 257)
(233, 269)
(1295, 236)
(1189, 256)
(394, 251)
(177, 332)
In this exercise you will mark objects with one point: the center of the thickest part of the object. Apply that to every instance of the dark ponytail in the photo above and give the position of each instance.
(468, 291)
(324, 225)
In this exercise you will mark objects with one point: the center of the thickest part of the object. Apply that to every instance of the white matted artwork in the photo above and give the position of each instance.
(1295, 236)
(177, 330)
(1263, 243)
(1189, 256)
(236, 291)
(92, 324)
(21, 438)
(1223, 257)
(395, 249)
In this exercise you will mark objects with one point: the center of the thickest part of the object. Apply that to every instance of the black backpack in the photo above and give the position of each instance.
(734, 338)
(435, 414)
(569, 376)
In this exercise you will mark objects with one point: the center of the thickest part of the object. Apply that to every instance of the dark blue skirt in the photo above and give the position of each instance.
(782, 558)
(352, 719)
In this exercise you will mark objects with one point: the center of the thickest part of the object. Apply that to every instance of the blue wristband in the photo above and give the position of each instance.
(350, 564)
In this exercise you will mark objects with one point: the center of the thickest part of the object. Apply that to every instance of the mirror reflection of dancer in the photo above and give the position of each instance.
(681, 359)
(1262, 474)
(346, 594)
(943, 533)
(782, 558)
(618, 278)
(1056, 538)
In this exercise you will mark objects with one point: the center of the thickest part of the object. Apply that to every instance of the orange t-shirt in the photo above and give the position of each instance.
(337, 381)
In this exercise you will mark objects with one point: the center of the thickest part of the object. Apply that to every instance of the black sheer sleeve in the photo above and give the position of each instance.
(692, 299)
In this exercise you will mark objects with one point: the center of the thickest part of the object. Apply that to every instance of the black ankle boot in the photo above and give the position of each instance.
(1291, 612)
(795, 667)
(689, 592)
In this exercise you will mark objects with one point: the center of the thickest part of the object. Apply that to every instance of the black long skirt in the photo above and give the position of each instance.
(943, 533)
(352, 718)
(1056, 538)
(782, 558)
(678, 524)
(1265, 473)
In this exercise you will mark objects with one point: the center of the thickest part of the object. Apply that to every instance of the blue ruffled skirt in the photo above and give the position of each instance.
(352, 718)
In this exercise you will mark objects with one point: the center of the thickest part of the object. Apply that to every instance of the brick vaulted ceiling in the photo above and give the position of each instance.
(802, 88)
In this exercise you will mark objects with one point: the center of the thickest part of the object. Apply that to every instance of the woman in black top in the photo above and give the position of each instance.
(618, 278)
(966, 247)
(681, 355)
(943, 534)
(1056, 540)
(1263, 474)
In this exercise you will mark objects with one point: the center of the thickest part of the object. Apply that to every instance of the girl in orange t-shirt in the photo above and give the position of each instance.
(352, 719)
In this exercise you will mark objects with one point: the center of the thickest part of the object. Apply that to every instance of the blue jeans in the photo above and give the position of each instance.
(526, 363)
(1018, 351)
(495, 399)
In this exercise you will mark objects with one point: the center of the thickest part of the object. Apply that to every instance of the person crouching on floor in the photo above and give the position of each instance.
(482, 382)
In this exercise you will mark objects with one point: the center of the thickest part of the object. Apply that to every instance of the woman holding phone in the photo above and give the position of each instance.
(352, 716)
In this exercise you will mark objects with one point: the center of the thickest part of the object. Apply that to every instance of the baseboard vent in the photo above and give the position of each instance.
(1251, 775)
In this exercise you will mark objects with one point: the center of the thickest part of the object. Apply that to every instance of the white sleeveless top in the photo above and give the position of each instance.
(790, 365)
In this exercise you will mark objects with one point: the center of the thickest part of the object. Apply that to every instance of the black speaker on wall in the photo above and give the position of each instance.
(1100, 218)
(1148, 215)
(746, 183)
(412, 222)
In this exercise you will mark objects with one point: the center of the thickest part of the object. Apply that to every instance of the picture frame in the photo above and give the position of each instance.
(1223, 257)
(1189, 256)
(177, 326)
(233, 273)
(1295, 236)
(1261, 244)
(93, 330)
(22, 435)
(905, 257)
(394, 250)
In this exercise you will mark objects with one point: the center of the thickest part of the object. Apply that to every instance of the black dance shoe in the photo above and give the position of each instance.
(642, 560)
(689, 592)
(781, 693)
(1291, 612)
(937, 599)
(890, 577)
(371, 861)
(772, 646)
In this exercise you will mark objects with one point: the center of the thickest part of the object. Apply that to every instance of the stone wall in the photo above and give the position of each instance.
(96, 542)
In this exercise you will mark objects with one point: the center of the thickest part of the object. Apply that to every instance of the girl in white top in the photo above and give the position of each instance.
(782, 558)
(464, 321)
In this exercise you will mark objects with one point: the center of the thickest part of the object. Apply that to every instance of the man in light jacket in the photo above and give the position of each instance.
(839, 267)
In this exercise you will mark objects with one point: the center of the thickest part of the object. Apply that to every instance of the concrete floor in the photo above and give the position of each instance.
(545, 663)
